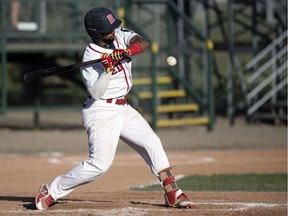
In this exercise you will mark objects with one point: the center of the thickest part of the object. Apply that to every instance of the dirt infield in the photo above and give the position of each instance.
(32, 157)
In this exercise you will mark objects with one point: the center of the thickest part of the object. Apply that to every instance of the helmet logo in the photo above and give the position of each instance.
(110, 18)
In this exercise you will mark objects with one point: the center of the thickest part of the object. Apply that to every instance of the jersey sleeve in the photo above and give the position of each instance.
(92, 72)
(94, 78)
(127, 35)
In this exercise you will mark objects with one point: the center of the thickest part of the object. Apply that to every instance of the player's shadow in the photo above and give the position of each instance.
(28, 202)
(146, 203)
(19, 199)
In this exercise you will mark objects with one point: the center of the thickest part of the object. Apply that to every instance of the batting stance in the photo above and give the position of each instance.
(107, 116)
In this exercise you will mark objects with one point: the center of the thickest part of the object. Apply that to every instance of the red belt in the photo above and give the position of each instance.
(119, 101)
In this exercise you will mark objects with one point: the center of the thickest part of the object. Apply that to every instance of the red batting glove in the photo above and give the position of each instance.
(107, 62)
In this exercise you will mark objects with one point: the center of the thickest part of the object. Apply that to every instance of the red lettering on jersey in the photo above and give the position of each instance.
(110, 18)
(118, 68)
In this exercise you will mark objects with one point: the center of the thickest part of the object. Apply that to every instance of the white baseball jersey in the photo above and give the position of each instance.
(120, 81)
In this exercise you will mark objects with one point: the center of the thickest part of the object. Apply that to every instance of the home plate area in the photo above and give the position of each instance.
(143, 207)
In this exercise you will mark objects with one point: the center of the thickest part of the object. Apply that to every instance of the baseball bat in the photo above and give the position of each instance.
(46, 72)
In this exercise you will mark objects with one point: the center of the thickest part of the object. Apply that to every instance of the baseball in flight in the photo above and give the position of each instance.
(171, 61)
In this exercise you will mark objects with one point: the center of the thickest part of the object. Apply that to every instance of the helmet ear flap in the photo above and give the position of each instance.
(96, 37)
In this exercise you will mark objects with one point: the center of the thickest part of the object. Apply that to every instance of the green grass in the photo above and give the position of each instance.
(230, 182)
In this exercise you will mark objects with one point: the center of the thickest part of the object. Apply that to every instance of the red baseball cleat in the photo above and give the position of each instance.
(178, 199)
(43, 200)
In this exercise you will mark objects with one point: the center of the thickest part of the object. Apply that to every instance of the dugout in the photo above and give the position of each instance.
(231, 32)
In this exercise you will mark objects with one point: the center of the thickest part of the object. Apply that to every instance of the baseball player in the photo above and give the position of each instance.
(106, 115)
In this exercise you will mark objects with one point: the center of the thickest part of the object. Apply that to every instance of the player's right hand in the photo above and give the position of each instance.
(107, 62)
(119, 54)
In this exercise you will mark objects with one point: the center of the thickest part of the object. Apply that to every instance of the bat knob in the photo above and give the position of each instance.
(126, 57)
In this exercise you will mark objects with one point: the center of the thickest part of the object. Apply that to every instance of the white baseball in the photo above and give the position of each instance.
(171, 61)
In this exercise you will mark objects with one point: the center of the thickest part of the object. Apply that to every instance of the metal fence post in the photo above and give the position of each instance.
(3, 60)
(211, 102)
(154, 51)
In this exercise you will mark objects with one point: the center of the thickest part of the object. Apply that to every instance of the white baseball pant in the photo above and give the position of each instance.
(105, 123)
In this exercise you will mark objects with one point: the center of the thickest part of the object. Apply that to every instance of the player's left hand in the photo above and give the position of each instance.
(107, 62)
(119, 54)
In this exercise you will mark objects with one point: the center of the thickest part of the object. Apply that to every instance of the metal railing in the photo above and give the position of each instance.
(269, 74)
(206, 102)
